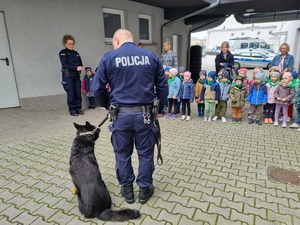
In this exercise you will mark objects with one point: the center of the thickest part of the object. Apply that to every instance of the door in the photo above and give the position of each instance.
(8, 89)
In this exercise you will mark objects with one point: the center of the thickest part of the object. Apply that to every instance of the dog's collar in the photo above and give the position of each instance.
(89, 132)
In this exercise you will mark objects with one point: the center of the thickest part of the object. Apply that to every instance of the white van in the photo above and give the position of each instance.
(248, 43)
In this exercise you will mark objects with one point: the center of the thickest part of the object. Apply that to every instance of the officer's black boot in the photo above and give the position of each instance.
(250, 120)
(145, 193)
(127, 193)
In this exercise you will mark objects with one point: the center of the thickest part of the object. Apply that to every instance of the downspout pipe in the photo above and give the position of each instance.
(213, 5)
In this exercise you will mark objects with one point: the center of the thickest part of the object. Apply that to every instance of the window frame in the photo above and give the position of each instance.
(149, 18)
(117, 12)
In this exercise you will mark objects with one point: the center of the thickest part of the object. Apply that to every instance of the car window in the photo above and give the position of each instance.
(254, 45)
(245, 54)
(256, 55)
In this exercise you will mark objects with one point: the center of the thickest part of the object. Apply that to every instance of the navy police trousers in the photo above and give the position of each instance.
(129, 130)
(72, 85)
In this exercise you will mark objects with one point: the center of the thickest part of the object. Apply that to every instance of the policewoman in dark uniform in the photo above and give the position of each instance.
(136, 78)
(71, 67)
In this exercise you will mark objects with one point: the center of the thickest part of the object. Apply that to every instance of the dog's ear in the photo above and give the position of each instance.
(87, 123)
(76, 125)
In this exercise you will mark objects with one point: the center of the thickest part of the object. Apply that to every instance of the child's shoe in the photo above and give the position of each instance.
(205, 119)
(160, 115)
(215, 118)
(284, 125)
(258, 122)
(209, 119)
(266, 120)
(280, 119)
(250, 120)
(188, 118)
(294, 125)
(175, 116)
(223, 119)
(270, 120)
(288, 119)
(183, 117)
(275, 123)
(168, 115)
(239, 121)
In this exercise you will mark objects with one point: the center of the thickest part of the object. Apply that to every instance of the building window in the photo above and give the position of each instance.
(113, 20)
(244, 45)
(258, 32)
(232, 34)
(242, 33)
(145, 28)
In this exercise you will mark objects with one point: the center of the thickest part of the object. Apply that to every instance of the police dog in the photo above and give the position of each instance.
(93, 197)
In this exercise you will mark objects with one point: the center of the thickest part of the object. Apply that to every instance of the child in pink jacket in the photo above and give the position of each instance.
(270, 106)
(283, 96)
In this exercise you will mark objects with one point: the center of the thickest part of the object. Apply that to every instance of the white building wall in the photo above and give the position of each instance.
(35, 29)
(216, 37)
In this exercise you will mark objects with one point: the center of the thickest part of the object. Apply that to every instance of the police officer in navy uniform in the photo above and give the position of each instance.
(136, 78)
(71, 65)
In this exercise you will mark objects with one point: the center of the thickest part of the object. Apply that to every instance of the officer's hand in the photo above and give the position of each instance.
(79, 68)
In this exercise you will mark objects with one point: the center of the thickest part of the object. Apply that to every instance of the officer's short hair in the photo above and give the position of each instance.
(67, 37)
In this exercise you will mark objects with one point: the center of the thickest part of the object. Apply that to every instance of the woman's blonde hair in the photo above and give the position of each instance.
(287, 46)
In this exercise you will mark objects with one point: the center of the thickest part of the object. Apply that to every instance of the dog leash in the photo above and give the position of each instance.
(104, 120)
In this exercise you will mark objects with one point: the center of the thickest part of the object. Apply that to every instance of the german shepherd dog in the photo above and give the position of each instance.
(93, 197)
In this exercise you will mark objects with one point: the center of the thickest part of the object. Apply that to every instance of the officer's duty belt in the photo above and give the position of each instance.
(122, 109)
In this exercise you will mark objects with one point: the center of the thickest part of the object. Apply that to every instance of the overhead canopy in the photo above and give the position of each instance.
(245, 11)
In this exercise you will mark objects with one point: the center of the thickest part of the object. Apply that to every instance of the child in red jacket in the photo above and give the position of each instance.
(87, 86)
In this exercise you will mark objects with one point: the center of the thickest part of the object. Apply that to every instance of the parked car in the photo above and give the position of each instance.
(252, 58)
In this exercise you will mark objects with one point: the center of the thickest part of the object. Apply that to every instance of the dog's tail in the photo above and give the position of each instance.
(119, 215)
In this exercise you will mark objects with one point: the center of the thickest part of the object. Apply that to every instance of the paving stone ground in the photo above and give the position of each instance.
(213, 173)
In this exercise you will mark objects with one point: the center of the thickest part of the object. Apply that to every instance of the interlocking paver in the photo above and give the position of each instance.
(205, 216)
(262, 212)
(214, 209)
(282, 218)
(243, 217)
(25, 218)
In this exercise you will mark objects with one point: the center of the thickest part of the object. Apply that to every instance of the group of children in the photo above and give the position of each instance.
(269, 96)
(181, 92)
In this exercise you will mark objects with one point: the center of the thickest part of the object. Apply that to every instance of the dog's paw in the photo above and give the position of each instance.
(74, 190)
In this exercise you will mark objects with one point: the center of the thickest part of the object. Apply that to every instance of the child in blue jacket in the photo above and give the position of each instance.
(221, 107)
(174, 87)
(186, 95)
(257, 97)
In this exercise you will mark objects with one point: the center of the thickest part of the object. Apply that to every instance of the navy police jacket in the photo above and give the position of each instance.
(135, 75)
(70, 59)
